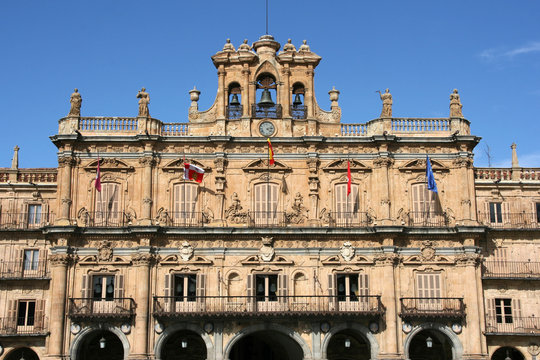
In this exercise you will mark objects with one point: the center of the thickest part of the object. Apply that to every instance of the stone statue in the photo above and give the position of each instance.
(144, 100)
(455, 105)
(289, 46)
(76, 101)
(244, 46)
(304, 47)
(228, 46)
(386, 104)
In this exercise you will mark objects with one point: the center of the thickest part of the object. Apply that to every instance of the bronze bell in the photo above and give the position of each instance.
(234, 100)
(266, 99)
(297, 101)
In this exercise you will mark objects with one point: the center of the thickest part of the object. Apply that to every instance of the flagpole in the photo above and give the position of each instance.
(268, 184)
(184, 195)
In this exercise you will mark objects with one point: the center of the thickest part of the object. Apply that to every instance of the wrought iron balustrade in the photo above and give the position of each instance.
(428, 219)
(509, 220)
(432, 307)
(20, 270)
(512, 325)
(267, 219)
(349, 219)
(25, 220)
(90, 308)
(299, 112)
(308, 305)
(511, 270)
(27, 326)
(266, 112)
(105, 219)
(234, 111)
(183, 219)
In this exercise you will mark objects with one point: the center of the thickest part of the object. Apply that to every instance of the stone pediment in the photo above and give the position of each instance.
(175, 259)
(336, 260)
(255, 260)
(108, 164)
(341, 165)
(262, 165)
(420, 165)
(178, 165)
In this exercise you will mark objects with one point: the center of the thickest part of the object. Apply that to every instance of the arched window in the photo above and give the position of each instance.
(346, 206)
(265, 204)
(300, 285)
(298, 107)
(234, 285)
(185, 196)
(234, 104)
(107, 210)
(426, 209)
(266, 93)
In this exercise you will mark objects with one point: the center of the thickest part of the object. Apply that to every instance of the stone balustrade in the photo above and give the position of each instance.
(407, 125)
(108, 124)
(175, 129)
(38, 175)
(507, 174)
(353, 130)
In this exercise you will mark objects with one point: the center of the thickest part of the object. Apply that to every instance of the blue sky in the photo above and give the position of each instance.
(421, 50)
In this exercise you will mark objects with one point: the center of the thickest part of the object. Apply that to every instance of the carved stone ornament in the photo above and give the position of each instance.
(427, 251)
(387, 259)
(105, 251)
(142, 259)
(162, 218)
(186, 251)
(533, 349)
(234, 213)
(298, 213)
(468, 259)
(267, 252)
(347, 251)
(60, 259)
(83, 217)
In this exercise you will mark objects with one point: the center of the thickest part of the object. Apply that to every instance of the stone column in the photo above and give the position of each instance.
(65, 165)
(286, 91)
(386, 263)
(465, 216)
(221, 93)
(141, 263)
(382, 184)
(59, 265)
(309, 100)
(146, 217)
(246, 91)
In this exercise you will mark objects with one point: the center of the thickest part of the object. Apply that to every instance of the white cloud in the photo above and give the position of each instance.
(493, 54)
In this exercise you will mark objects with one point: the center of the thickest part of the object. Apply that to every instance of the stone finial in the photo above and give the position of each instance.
(244, 46)
(289, 46)
(144, 100)
(15, 160)
(194, 96)
(515, 162)
(334, 96)
(387, 103)
(75, 101)
(455, 105)
(228, 46)
(304, 47)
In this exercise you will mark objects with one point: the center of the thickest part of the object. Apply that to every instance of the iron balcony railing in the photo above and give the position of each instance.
(349, 219)
(25, 220)
(89, 308)
(512, 325)
(20, 270)
(183, 219)
(27, 326)
(511, 270)
(432, 307)
(267, 219)
(309, 305)
(509, 220)
(299, 112)
(428, 219)
(105, 219)
(234, 111)
(266, 112)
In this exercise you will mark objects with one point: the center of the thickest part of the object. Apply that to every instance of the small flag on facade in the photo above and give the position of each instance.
(97, 184)
(430, 179)
(192, 172)
(270, 152)
(349, 178)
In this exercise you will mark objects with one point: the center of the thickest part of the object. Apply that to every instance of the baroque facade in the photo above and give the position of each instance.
(266, 261)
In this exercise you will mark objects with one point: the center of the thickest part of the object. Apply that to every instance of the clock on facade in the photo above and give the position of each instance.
(266, 128)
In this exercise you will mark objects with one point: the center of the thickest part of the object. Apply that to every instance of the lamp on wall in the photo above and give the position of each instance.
(347, 343)
(184, 343)
(22, 355)
(507, 356)
(429, 342)
(102, 343)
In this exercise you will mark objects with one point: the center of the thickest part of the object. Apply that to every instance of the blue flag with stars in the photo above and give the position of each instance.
(431, 184)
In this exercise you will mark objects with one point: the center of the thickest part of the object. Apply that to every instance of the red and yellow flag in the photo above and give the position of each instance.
(270, 152)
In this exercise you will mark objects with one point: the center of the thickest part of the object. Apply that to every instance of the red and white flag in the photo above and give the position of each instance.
(349, 179)
(97, 184)
(192, 172)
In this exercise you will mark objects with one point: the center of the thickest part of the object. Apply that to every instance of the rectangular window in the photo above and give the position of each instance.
(347, 287)
(503, 311)
(428, 287)
(346, 207)
(266, 287)
(103, 287)
(265, 204)
(185, 287)
(26, 313)
(495, 213)
(31, 259)
(34, 215)
(107, 205)
(185, 197)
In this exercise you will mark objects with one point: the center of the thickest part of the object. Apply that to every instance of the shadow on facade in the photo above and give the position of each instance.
(266, 345)
(22, 353)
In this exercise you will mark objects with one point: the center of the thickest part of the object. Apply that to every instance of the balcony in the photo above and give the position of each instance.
(20, 270)
(234, 111)
(299, 112)
(427, 219)
(512, 325)
(97, 309)
(10, 327)
(266, 112)
(432, 307)
(270, 306)
(509, 220)
(12, 221)
(105, 219)
(511, 270)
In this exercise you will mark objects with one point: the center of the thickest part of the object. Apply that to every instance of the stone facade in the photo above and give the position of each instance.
(292, 260)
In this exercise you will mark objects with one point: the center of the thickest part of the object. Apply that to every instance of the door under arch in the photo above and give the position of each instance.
(348, 345)
(507, 352)
(101, 345)
(22, 353)
(266, 345)
(184, 345)
(430, 345)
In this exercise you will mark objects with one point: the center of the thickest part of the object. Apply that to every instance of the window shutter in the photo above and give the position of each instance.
(18, 266)
(39, 321)
(363, 285)
(86, 287)
(516, 307)
(12, 314)
(250, 292)
(283, 287)
(119, 286)
(332, 291)
(42, 261)
(201, 291)
(420, 285)
(505, 209)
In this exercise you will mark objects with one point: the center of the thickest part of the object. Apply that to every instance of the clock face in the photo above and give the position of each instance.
(266, 128)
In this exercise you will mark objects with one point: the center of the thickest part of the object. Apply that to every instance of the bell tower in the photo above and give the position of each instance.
(265, 92)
